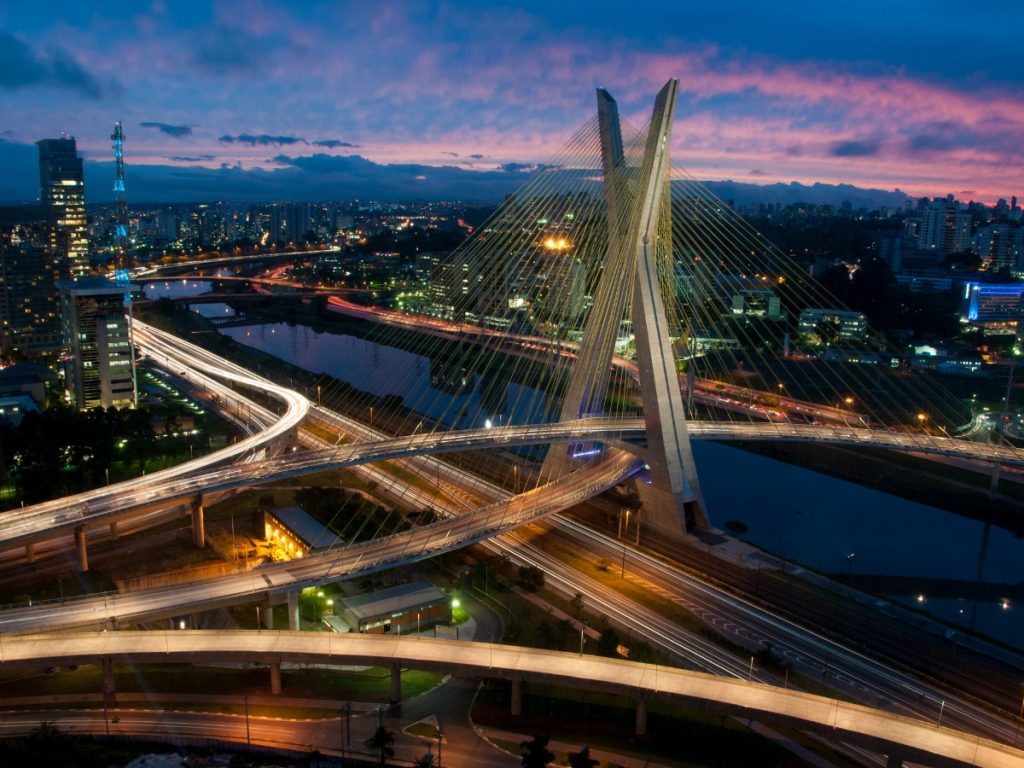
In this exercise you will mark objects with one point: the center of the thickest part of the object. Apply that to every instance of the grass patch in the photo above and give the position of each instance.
(372, 684)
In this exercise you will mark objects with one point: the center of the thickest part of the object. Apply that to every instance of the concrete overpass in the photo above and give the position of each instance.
(900, 738)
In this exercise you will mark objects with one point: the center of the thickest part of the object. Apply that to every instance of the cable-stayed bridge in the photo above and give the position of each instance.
(596, 312)
(611, 302)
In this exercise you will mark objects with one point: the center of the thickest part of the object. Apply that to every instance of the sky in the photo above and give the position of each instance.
(268, 99)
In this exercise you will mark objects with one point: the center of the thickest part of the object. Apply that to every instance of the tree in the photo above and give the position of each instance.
(531, 578)
(424, 761)
(608, 643)
(380, 742)
(535, 753)
(582, 759)
(577, 603)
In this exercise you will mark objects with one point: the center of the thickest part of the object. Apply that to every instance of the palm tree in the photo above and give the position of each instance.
(380, 743)
(535, 753)
(582, 759)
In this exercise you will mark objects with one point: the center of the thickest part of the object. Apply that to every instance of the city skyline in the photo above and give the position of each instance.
(282, 96)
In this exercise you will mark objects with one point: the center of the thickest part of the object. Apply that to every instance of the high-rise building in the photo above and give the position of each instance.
(29, 269)
(297, 224)
(1000, 245)
(944, 229)
(62, 191)
(98, 363)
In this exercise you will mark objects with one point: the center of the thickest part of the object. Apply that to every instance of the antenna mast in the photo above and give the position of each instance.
(122, 257)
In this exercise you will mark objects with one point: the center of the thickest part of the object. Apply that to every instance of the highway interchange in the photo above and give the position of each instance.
(852, 670)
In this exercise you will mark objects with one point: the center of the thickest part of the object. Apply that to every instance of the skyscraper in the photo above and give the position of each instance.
(29, 269)
(97, 342)
(62, 191)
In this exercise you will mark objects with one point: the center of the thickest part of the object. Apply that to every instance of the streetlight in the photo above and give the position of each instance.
(583, 627)
(848, 400)
(1020, 715)
(248, 735)
(371, 417)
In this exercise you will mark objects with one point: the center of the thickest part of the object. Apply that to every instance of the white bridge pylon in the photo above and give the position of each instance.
(634, 204)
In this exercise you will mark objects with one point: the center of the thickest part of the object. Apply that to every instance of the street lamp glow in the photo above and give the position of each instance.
(455, 602)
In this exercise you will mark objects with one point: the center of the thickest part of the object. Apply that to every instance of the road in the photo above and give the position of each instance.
(870, 728)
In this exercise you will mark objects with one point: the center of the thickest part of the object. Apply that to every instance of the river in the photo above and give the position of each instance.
(807, 517)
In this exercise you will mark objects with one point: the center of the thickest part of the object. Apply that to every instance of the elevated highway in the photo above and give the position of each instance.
(900, 738)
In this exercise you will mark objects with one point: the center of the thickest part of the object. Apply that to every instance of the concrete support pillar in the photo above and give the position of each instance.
(198, 523)
(396, 684)
(641, 716)
(275, 677)
(30, 553)
(171, 625)
(293, 610)
(113, 530)
(517, 698)
(109, 692)
(194, 620)
(82, 548)
(894, 761)
(267, 612)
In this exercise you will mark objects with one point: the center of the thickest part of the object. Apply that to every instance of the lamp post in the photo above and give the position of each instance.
(248, 735)
(1020, 715)
(371, 417)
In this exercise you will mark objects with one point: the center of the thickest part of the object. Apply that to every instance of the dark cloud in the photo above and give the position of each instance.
(451, 154)
(262, 139)
(223, 50)
(477, 157)
(946, 135)
(757, 172)
(191, 158)
(21, 67)
(856, 148)
(334, 143)
(989, 135)
(177, 131)
(519, 167)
